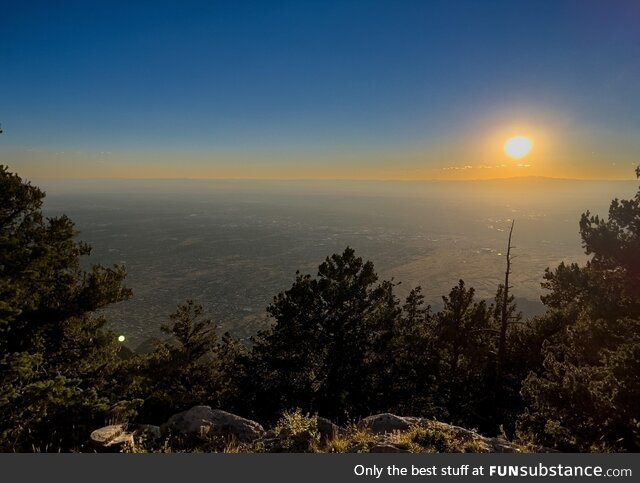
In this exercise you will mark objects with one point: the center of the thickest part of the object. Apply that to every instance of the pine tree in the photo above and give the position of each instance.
(586, 397)
(188, 368)
(56, 360)
(464, 341)
(414, 360)
(328, 349)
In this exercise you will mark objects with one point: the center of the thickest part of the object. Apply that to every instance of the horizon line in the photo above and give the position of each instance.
(404, 180)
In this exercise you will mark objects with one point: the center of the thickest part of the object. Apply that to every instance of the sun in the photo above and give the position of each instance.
(518, 146)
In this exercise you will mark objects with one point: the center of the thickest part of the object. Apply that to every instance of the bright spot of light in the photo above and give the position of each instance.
(518, 146)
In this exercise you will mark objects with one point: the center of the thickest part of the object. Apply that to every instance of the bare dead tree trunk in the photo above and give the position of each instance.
(504, 312)
(502, 344)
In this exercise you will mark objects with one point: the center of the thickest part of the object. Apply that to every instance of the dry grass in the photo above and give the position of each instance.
(354, 440)
(296, 432)
(427, 437)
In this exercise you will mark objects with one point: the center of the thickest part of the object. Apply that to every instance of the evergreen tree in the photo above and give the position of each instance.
(414, 360)
(57, 363)
(328, 349)
(464, 340)
(586, 397)
(190, 367)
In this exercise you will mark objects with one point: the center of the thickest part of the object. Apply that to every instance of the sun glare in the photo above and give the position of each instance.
(518, 146)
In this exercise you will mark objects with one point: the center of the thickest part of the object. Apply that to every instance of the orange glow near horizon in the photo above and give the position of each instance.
(290, 170)
(470, 154)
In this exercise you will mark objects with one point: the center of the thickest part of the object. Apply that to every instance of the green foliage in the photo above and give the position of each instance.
(355, 440)
(296, 433)
(609, 284)
(235, 384)
(414, 360)
(518, 360)
(586, 398)
(56, 361)
(42, 283)
(464, 341)
(327, 351)
(341, 345)
(190, 367)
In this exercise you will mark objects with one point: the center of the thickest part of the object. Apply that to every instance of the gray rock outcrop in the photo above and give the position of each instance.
(384, 423)
(215, 422)
(112, 439)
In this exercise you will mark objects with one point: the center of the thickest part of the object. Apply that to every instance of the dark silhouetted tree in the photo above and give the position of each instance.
(464, 340)
(56, 361)
(328, 349)
(586, 397)
(414, 360)
(192, 366)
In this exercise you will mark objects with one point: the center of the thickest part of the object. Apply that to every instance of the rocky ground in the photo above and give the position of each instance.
(203, 429)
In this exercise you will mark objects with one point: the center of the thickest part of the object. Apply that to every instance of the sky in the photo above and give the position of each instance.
(344, 89)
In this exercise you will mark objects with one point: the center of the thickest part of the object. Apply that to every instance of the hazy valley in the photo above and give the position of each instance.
(233, 245)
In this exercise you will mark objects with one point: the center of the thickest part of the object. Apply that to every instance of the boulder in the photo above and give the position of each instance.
(384, 423)
(148, 432)
(112, 439)
(215, 422)
(327, 429)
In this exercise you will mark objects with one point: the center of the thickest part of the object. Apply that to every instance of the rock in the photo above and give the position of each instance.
(192, 420)
(215, 422)
(384, 423)
(500, 445)
(459, 433)
(114, 438)
(412, 420)
(148, 431)
(387, 448)
(328, 430)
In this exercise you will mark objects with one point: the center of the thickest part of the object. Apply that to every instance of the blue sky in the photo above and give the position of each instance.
(372, 89)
